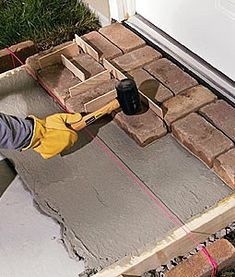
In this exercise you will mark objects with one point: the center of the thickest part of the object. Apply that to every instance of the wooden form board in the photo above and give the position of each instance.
(153, 106)
(115, 72)
(87, 48)
(100, 101)
(75, 70)
(89, 83)
(175, 244)
(69, 51)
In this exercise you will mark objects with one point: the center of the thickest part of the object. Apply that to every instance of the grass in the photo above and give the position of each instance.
(46, 22)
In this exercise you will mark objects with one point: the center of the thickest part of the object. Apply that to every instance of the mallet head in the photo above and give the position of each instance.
(128, 96)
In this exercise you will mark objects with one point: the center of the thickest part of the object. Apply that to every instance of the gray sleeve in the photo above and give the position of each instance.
(15, 133)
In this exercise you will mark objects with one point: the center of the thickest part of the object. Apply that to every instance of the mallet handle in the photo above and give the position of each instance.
(90, 118)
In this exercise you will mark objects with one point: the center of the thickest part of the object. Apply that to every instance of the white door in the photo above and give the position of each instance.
(206, 27)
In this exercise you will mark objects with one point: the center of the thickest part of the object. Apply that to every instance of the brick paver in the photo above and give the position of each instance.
(143, 128)
(87, 64)
(150, 86)
(76, 103)
(198, 265)
(103, 46)
(136, 58)
(122, 37)
(58, 79)
(23, 50)
(171, 75)
(6, 62)
(200, 137)
(186, 102)
(222, 115)
(224, 166)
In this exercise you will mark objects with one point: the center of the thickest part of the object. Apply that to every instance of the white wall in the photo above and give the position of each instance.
(102, 9)
(207, 27)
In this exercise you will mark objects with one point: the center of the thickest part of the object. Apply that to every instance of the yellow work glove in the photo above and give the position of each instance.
(52, 135)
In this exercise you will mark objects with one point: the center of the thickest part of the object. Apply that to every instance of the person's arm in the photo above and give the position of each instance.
(49, 136)
(15, 133)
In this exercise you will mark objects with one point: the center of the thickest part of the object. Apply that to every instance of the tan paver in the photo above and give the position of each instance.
(103, 46)
(143, 128)
(170, 75)
(198, 265)
(224, 166)
(150, 86)
(200, 137)
(222, 115)
(136, 58)
(186, 102)
(122, 37)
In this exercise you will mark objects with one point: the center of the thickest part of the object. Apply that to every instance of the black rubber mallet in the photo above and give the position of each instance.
(128, 99)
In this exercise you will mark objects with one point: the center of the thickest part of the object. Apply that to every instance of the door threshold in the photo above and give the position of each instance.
(199, 67)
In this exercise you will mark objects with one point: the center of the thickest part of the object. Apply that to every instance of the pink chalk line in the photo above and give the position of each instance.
(169, 214)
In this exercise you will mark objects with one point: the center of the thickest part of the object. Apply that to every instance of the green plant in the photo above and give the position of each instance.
(45, 22)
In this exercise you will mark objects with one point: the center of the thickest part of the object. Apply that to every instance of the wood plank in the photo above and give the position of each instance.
(100, 101)
(152, 105)
(89, 83)
(75, 70)
(176, 243)
(115, 72)
(55, 57)
(127, 275)
(87, 48)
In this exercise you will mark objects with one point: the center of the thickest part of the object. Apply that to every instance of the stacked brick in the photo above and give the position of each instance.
(197, 119)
